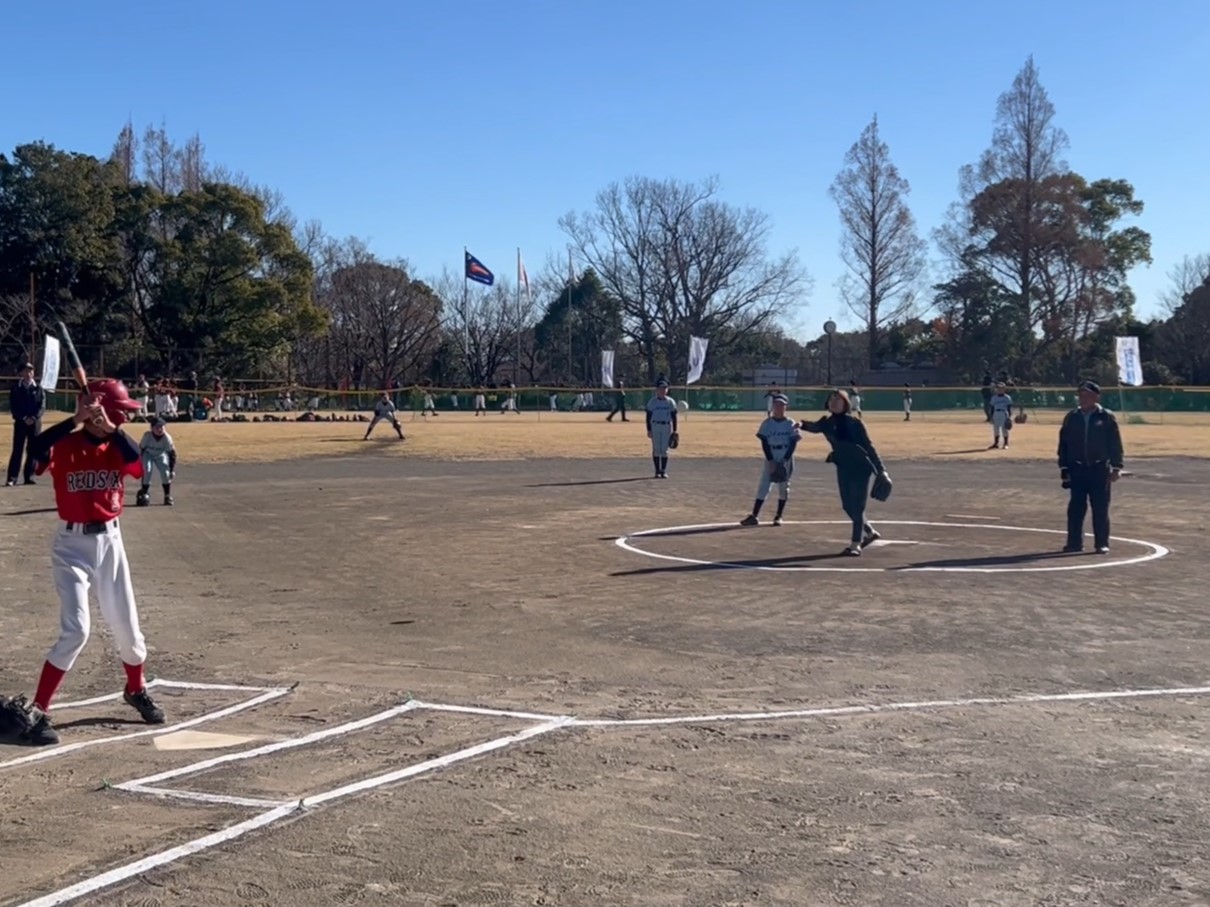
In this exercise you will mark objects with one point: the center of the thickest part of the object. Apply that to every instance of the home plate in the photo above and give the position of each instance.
(198, 740)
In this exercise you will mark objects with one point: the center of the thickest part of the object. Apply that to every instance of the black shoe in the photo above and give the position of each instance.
(42, 733)
(30, 482)
(168, 500)
(28, 724)
(869, 538)
(142, 703)
(1072, 549)
(750, 520)
(1102, 549)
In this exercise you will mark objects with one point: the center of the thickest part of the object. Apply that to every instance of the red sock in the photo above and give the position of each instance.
(48, 685)
(134, 678)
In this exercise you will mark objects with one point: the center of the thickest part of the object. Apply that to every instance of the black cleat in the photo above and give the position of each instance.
(42, 733)
(1072, 549)
(1102, 549)
(750, 520)
(869, 538)
(26, 723)
(142, 703)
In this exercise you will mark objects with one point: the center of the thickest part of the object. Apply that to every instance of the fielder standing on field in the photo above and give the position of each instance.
(384, 409)
(159, 455)
(661, 427)
(89, 468)
(1002, 415)
(1090, 461)
(778, 438)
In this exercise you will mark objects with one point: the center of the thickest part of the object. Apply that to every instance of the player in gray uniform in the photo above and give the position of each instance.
(384, 409)
(661, 424)
(778, 438)
(159, 453)
(1002, 415)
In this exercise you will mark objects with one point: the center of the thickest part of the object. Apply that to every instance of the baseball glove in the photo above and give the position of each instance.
(674, 441)
(1008, 425)
(1020, 417)
(882, 487)
(780, 473)
(15, 718)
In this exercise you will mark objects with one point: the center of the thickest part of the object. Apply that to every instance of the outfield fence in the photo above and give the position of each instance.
(704, 399)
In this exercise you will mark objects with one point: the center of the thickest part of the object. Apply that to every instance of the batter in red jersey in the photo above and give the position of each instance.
(89, 458)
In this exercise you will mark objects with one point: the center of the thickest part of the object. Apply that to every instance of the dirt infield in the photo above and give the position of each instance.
(733, 717)
(461, 436)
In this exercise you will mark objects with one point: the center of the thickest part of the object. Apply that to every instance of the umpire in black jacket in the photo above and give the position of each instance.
(27, 402)
(1090, 461)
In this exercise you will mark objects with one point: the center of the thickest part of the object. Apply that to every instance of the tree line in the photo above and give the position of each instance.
(171, 264)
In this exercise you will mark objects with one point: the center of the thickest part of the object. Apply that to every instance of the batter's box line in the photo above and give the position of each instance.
(265, 694)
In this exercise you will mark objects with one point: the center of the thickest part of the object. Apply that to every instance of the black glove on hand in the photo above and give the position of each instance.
(1064, 478)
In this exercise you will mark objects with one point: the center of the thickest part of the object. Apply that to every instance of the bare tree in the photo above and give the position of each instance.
(483, 324)
(880, 247)
(1186, 275)
(125, 150)
(161, 161)
(683, 263)
(1025, 153)
(193, 164)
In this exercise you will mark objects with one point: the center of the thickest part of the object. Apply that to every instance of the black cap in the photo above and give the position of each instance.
(157, 422)
(1091, 386)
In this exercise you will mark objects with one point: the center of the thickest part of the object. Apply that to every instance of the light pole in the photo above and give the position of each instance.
(829, 328)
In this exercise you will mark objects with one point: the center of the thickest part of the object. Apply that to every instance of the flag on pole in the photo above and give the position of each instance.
(522, 276)
(478, 272)
(697, 358)
(50, 364)
(606, 368)
(1130, 369)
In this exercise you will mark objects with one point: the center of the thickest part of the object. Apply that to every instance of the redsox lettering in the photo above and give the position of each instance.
(661, 424)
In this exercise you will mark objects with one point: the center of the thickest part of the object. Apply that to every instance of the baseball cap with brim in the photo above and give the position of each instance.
(28, 367)
(1091, 386)
(661, 383)
(781, 398)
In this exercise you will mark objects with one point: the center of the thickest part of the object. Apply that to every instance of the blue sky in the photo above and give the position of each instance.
(426, 126)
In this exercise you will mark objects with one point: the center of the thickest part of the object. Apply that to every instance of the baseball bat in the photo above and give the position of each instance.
(73, 358)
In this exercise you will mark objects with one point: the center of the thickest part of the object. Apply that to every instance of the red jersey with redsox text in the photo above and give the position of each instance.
(89, 476)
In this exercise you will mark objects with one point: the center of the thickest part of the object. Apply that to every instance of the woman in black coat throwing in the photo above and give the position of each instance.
(856, 462)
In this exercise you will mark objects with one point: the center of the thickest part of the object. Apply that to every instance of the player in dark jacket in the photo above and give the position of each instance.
(856, 462)
(27, 401)
(1090, 461)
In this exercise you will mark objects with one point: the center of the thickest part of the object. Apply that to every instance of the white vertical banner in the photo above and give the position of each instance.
(697, 358)
(1130, 368)
(606, 368)
(50, 364)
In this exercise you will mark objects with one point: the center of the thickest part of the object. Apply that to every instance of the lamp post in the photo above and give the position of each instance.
(829, 328)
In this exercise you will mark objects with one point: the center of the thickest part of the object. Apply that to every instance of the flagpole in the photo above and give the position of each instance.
(517, 364)
(466, 328)
(571, 273)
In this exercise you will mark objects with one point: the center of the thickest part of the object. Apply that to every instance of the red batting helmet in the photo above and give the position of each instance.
(114, 398)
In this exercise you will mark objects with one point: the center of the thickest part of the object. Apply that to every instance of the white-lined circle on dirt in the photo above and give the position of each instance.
(1072, 562)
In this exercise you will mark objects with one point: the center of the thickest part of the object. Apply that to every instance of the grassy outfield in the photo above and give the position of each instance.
(461, 436)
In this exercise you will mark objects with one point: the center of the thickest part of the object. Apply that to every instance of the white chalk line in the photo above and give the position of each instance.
(268, 748)
(202, 797)
(924, 705)
(279, 813)
(63, 750)
(477, 710)
(276, 812)
(1155, 551)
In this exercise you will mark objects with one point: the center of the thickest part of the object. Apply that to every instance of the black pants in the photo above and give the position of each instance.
(1089, 487)
(854, 487)
(619, 406)
(23, 442)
